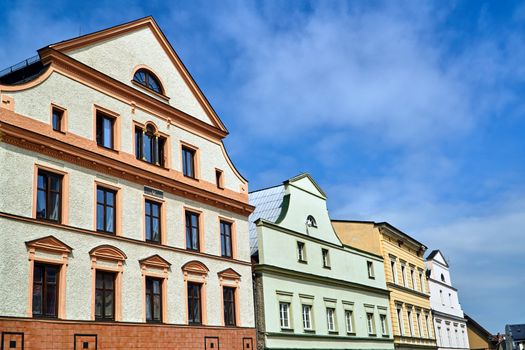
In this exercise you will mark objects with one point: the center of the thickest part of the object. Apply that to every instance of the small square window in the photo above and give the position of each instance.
(12, 344)
(85, 345)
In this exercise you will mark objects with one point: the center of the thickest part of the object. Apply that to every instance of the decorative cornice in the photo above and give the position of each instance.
(155, 261)
(405, 289)
(195, 267)
(108, 252)
(442, 284)
(263, 268)
(119, 165)
(49, 243)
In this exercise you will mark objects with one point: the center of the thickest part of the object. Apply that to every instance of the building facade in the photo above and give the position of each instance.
(123, 223)
(450, 325)
(405, 279)
(478, 337)
(312, 292)
(514, 337)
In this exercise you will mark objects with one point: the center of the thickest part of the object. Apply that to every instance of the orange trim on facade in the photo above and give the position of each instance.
(61, 251)
(64, 119)
(230, 278)
(163, 213)
(64, 195)
(197, 272)
(116, 125)
(117, 208)
(157, 267)
(39, 137)
(196, 160)
(200, 214)
(233, 234)
(108, 254)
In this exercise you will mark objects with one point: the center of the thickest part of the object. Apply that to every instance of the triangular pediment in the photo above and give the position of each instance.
(118, 52)
(437, 256)
(49, 243)
(229, 274)
(307, 183)
(155, 261)
(108, 252)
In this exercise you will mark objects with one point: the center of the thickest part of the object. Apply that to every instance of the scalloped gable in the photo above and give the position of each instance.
(119, 50)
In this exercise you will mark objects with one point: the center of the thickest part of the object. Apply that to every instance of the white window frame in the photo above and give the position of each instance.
(410, 322)
(370, 268)
(349, 321)
(393, 267)
(419, 326)
(330, 319)
(422, 288)
(307, 317)
(370, 323)
(384, 324)
(413, 277)
(326, 257)
(403, 274)
(284, 315)
(399, 311)
(427, 324)
(301, 252)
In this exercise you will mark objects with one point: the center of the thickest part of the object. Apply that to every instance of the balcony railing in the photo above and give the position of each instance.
(19, 65)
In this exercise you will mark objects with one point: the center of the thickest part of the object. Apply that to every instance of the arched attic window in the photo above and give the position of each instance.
(148, 79)
(310, 221)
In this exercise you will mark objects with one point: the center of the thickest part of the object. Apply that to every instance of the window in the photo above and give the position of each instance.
(147, 79)
(218, 178)
(326, 258)
(284, 314)
(226, 239)
(149, 146)
(105, 126)
(427, 325)
(301, 253)
(393, 270)
(457, 337)
(330, 319)
(410, 324)
(152, 218)
(57, 119)
(105, 296)
(307, 317)
(384, 325)
(440, 336)
(400, 321)
(194, 303)
(228, 297)
(49, 196)
(45, 290)
(310, 221)
(413, 278)
(449, 337)
(441, 297)
(442, 278)
(370, 323)
(188, 162)
(106, 215)
(419, 328)
(450, 300)
(192, 231)
(153, 299)
(403, 274)
(370, 267)
(421, 283)
(349, 320)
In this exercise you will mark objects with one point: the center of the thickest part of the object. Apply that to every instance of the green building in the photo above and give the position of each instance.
(311, 291)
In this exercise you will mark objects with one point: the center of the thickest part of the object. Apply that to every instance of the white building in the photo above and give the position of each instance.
(449, 322)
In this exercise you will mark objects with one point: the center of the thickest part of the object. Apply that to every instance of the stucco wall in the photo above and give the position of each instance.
(79, 100)
(363, 236)
(119, 57)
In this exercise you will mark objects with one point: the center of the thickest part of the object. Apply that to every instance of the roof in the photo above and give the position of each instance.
(268, 204)
(401, 233)
(478, 327)
(434, 253)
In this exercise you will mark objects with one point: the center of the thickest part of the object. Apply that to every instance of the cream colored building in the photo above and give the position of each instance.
(121, 215)
(405, 278)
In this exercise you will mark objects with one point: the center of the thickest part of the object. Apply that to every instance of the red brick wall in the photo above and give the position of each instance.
(58, 335)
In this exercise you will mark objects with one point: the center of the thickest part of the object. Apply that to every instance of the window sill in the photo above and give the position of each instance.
(351, 334)
(386, 335)
(288, 330)
(191, 177)
(153, 242)
(327, 267)
(107, 233)
(108, 149)
(302, 261)
(371, 277)
(333, 332)
(309, 331)
(153, 164)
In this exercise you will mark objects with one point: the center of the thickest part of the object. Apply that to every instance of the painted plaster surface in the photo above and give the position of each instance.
(344, 284)
(121, 55)
(79, 100)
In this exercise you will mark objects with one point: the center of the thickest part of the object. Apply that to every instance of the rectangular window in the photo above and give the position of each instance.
(410, 324)
(370, 323)
(188, 162)
(105, 132)
(370, 267)
(194, 303)
(393, 270)
(153, 220)
(301, 253)
(106, 213)
(384, 324)
(105, 296)
(57, 119)
(153, 299)
(427, 324)
(326, 258)
(403, 274)
(49, 196)
(440, 336)
(149, 146)
(419, 328)
(192, 231)
(228, 296)
(284, 315)
(219, 178)
(421, 281)
(45, 290)
(330, 319)
(413, 278)
(400, 321)
(226, 239)
(307, 317)
(349, 320)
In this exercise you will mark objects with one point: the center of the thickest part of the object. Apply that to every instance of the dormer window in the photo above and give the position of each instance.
(310, 221)
(146, 78)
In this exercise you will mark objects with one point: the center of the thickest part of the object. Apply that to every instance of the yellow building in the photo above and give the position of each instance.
(405, 276)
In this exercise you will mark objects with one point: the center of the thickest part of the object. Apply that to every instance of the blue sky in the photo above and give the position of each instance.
(407, 112)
